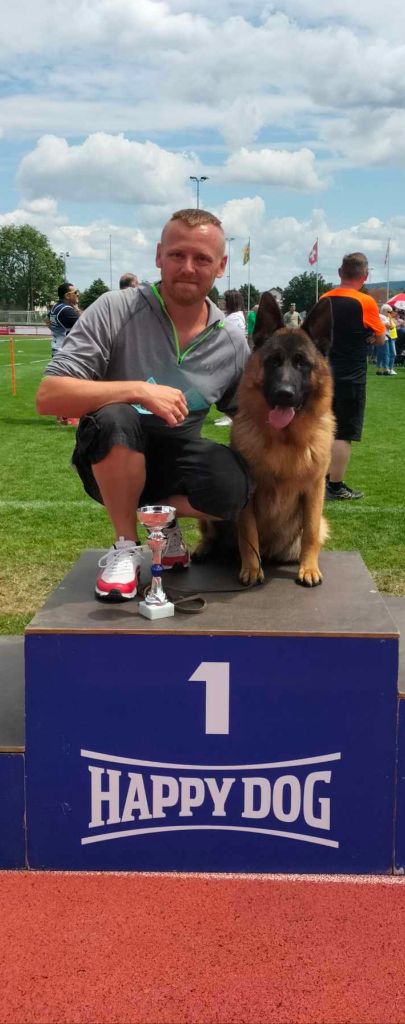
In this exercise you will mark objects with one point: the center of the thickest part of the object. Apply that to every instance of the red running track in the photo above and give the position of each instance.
(153, 949)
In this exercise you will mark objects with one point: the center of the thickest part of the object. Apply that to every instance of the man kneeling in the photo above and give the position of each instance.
(141, 369)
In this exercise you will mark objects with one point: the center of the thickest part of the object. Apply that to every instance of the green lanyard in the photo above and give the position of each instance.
(182, 355)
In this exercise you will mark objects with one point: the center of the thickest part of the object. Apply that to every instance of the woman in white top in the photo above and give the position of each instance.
(233, 313)
(234, 308)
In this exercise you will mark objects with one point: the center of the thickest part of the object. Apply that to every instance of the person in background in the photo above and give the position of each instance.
(235, 316)
(382, 354)
(250, 322)
(234, 309)
(291, 317)
(62, 317)
(128, 281)
(400, 344)
(63, 314)
(392, 342)
(356, 324)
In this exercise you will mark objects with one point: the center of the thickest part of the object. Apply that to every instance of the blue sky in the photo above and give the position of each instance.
(294, 110)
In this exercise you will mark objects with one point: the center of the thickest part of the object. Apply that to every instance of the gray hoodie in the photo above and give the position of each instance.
(128, 335)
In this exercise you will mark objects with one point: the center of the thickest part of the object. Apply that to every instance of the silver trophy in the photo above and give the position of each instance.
(155, 605)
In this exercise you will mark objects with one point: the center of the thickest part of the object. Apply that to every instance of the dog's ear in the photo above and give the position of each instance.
(268, 319)
(319, 325)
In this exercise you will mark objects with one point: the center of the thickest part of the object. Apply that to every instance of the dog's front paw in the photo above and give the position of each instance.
(250, 574)
(309, 575)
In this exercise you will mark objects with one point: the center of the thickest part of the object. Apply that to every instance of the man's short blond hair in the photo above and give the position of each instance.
(194, 218)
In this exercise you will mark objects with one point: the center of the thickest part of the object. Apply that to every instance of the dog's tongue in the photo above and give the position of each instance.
(280, 417)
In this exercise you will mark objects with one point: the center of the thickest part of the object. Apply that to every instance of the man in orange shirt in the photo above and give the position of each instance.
(356, 324)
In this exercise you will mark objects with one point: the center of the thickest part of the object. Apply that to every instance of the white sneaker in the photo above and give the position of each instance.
(121, 568)
(175, 553)
(393, 373)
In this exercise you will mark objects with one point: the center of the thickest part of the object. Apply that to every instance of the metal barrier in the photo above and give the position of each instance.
(22, 316)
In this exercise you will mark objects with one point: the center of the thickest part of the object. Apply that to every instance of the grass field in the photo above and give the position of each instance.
(46, 520)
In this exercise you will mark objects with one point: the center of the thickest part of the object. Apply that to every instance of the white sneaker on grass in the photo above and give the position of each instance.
(175, 553)
(121, 569)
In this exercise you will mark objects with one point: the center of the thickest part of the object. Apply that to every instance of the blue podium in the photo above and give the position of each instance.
(259, 735)
(400, 795)
(396, 607)
(12, 748)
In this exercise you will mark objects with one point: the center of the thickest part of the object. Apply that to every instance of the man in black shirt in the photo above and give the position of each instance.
(61, 318)
(356, 323)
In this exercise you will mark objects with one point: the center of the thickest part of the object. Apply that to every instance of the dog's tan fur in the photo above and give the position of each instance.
(283, 520)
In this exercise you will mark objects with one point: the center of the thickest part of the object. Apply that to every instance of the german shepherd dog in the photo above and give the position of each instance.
(284, 429)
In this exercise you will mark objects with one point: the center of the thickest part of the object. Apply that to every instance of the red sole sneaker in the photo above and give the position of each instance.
(114, 593)
(181, 562)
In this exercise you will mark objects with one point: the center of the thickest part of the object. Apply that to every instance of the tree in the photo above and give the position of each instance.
(90, 294)
(30, 271)
(302, 290)
(254, 295)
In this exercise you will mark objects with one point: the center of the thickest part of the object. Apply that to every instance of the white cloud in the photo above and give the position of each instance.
(30, 115)
(272, 94)
(389, 22)
(187, 65)
(121, 23)
(115, 169)
(107, 167)
(364, 139)
(40, 213)
(274, 167)
(279, 245)
(141, 23)
(88, 245)
(242, 217)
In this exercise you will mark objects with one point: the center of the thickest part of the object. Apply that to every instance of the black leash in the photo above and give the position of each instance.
(194, 604)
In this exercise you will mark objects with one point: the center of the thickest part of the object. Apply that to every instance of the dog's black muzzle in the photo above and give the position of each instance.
(285, 396)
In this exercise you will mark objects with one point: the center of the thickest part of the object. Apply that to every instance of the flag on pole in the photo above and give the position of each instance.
(387, 254)
(246, 253)
(313, 256)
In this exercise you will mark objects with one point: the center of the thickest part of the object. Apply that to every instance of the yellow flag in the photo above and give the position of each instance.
(246, 253)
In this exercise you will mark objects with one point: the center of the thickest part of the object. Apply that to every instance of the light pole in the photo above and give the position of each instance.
(110, 264)
(63, 256)
(197, 181)
(229, 240)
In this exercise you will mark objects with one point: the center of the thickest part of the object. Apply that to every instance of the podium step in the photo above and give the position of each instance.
(346, 604)
(12, 723)
(12, 747)
(72, 625)
(259, 735)
(396, 607)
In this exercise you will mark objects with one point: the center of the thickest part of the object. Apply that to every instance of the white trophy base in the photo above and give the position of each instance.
(156, 611)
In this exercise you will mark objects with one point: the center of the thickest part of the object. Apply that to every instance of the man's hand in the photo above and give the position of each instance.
(168, 403)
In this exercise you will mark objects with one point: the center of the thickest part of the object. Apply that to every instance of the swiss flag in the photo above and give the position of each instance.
(313, 256)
